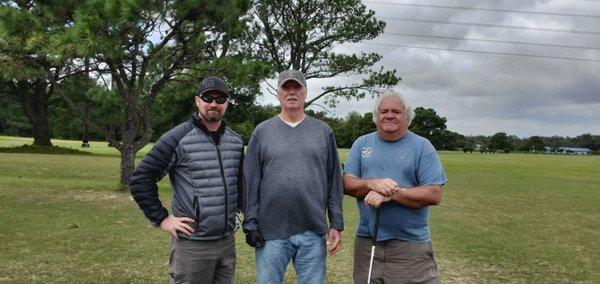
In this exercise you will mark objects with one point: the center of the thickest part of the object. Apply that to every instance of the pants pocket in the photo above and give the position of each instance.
(174, 273)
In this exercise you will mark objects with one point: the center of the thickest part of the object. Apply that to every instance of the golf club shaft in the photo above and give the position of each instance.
(377, 214)
(371, 263)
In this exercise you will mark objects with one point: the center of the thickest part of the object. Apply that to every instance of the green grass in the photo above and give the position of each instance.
(503, 218)
(96, 147)
(528, 217)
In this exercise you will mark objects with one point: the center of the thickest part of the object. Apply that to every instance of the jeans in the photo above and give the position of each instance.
(307, 251)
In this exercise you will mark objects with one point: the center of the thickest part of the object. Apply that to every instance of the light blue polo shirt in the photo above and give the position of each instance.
(410, 161)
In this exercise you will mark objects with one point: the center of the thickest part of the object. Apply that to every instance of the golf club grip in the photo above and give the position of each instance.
(377, 214)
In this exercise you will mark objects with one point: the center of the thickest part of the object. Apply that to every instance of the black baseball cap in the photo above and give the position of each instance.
(213, 83)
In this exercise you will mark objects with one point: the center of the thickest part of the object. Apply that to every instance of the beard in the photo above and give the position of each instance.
(212, 116)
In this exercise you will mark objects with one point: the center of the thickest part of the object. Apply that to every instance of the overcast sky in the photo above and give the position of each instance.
(483, 93)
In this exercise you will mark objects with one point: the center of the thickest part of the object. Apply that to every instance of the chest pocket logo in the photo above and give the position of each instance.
(366, 152)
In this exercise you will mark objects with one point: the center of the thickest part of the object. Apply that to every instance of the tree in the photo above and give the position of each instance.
(428, 124)
(97, 104)
(515, 142)
(141, 46)
(175, 103)
(586, 141)
(351, 127)
(535, 143)
(243, 121)
(500, 141)
(302, 34)
(555, 141)
(13, 120)
(451, 140)
(27, 68)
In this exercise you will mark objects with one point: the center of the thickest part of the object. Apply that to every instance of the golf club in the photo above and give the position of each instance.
(377, 213)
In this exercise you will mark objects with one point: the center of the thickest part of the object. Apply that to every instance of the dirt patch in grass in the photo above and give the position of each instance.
(94, 196)
(458, 271)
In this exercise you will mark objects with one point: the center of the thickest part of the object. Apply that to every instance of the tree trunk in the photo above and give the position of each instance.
(133, 139)
(85, 139)
(127, 166)
(35, 104)
(128, 150)
(85, 135)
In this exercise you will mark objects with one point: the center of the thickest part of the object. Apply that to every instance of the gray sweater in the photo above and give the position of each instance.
(292, 178)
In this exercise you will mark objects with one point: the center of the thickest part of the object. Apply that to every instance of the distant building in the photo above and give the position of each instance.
(549, 150)
(573, 151)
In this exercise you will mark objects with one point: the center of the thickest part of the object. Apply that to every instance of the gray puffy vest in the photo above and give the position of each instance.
(204, 178)
(207, 176)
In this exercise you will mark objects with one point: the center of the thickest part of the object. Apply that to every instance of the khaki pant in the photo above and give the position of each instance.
(202, 261)
(395, 262)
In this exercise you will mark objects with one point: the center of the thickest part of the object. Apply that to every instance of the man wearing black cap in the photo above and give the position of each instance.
(293, 183)
(204, 161)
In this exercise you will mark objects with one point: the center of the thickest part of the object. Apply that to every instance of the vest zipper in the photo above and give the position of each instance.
(224, 186)
(197, 209)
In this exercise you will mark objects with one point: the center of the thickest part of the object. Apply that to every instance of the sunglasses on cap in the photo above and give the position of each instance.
(209, 99)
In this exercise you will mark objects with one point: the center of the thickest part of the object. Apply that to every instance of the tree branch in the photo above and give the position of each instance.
(310, 102)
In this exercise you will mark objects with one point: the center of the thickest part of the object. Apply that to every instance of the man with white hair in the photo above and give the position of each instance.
(399, 173)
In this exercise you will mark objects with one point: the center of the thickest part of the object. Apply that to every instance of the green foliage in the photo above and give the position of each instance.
(351, 127)
(12, 119)
(142, 46)
(451, 140)
(145, 45)
(535, 143)
(92, 102)
(500, 141)
(588, 140)
(428, 124)
(27, 65)
(302, 34)
(244, 121)
(175, 103)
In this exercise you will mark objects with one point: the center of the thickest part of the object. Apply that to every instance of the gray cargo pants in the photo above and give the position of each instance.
(395, 261)
(202, 261)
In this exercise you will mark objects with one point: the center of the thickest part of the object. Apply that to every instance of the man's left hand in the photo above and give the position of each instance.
(334, 241)
(374, 199)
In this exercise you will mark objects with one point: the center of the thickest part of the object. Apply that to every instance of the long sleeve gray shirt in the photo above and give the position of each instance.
(293, 180)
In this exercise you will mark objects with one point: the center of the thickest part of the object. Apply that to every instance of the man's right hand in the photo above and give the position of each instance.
(172, 224)
(384, 186)
(255, 239)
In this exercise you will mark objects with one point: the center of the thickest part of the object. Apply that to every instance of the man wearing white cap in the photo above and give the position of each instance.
(293, 180)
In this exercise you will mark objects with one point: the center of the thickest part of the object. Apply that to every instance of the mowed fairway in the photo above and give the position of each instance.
(503, 218)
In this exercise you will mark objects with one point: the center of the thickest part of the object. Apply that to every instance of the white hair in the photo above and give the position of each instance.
(408, 111)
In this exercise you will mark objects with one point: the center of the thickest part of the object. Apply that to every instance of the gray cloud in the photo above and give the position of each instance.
(486, 93)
